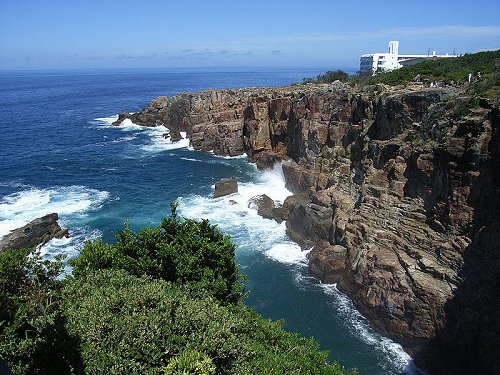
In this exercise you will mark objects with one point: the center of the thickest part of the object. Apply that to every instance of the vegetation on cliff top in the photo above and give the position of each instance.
(166, 300)
(329, 77)
(484, 68)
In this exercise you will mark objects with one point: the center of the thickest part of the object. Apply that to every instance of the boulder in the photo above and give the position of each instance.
(225, 187)
(266, 207)
(37, 232)
(121, 116)
(175, 136)
(292, 202)
(267, 159)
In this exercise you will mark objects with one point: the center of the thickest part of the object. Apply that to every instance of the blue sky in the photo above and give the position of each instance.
(194, 33)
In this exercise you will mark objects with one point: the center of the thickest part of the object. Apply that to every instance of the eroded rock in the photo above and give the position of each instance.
(266, 207)
(225, 187)
(36, 232)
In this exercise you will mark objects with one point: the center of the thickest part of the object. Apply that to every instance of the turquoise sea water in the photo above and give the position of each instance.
(59, 153)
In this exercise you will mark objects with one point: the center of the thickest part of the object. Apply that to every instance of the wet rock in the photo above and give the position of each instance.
(267, 160)
(36, 232)
(266, 207)
(175, 136)
(121, 116)
(225, 187)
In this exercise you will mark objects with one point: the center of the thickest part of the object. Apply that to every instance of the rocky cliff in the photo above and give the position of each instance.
(397, 191)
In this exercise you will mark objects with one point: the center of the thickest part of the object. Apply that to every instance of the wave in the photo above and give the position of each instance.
(233, 215)
(191, 159)
(107, 120)
(18, 209)
(161, 143)
(242, 156)
(288, 253)
(124, 139)
(127, 125)
(158, 140)
(69, 246)
(358, 325)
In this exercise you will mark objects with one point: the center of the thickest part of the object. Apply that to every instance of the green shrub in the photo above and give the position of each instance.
(451, 70)
(179, 250)
(190, 362)
(32, 334)
(329, 77)
(155, 302)
(139, 325)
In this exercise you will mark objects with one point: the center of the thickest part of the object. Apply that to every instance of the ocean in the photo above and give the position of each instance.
(60, 153)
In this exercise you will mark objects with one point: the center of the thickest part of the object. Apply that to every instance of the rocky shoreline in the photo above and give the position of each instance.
(396, 190)
(37, 232)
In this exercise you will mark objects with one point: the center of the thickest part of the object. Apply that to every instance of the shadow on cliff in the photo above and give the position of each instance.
(469, 341)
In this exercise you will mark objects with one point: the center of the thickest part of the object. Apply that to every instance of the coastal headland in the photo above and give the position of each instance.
(396, 190)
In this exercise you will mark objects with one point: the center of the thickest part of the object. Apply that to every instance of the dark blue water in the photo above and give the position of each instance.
(59, 153)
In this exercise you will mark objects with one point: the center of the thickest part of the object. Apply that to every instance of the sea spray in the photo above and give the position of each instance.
(18, 209)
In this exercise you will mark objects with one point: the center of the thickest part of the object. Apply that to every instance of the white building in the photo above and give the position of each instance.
(383, 62)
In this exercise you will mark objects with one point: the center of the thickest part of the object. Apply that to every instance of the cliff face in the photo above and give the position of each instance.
(397, 193)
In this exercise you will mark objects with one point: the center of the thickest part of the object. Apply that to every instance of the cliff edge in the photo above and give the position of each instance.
(397, 192)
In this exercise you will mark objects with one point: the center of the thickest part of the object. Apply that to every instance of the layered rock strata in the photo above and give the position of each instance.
(397, 192)
(37, 232)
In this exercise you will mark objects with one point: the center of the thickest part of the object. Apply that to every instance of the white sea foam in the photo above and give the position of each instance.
(107, 120)
(233, 215)
(191, 159)
(127, 125)
(359, 326)
(289, 253)
(20, 208)
(160, 143)
(158, 140)
(125, 139)
(71, 246)
(242, 156)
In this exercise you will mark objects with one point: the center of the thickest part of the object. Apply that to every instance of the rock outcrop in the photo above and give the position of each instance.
(267, 208)
(225, 186)
(397, 193)
(36, 232)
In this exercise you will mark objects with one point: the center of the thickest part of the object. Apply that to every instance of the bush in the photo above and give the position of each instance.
(329, 77)
(450, 70)
(178, 250)
(129, 324)
(32, 334)
(155, 302)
